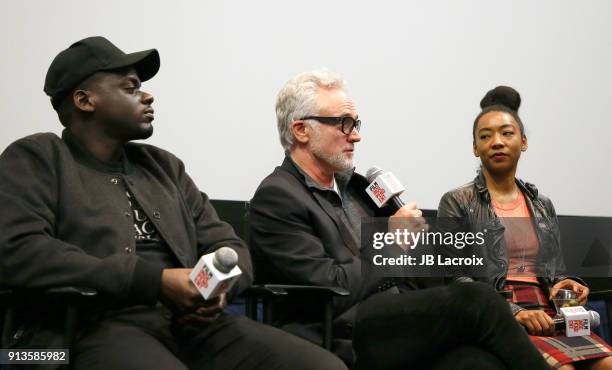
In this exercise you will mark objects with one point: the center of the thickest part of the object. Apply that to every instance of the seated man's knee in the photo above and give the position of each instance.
(277, 349)
(480, 295)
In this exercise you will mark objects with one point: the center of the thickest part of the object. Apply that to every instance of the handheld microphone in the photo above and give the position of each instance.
(384, 188)
(215, 273)
(577, 321)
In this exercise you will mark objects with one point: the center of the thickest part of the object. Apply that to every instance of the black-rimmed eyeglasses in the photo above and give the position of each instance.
(348, 123)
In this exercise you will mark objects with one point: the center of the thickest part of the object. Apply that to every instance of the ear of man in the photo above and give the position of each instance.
(302, 131)
(84, 96)
(81, 99)
(84, 100)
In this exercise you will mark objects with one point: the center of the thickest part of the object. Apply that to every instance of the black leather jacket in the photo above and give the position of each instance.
(470, 206)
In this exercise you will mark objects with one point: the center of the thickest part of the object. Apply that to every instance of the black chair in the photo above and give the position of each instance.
(600, 299)
(587, 249)
(66, 299)
(262, 296)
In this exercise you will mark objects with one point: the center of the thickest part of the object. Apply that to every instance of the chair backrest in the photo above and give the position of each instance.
(234, 212)
(587, 247)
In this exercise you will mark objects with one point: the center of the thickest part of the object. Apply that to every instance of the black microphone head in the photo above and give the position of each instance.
(225, 259)
(373, 173)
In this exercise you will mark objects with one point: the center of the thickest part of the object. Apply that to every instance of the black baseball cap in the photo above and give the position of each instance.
(90, 55)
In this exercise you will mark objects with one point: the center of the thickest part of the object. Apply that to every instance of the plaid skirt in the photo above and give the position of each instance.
(557, 350)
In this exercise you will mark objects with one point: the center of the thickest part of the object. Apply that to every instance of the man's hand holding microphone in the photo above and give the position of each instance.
(198, 295)
(385, 189)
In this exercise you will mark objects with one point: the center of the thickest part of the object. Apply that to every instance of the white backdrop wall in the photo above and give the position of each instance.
(416, 69)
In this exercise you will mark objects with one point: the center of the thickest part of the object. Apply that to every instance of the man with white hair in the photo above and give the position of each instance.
(305, 221)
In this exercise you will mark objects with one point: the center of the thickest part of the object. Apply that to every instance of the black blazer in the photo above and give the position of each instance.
(297, 237)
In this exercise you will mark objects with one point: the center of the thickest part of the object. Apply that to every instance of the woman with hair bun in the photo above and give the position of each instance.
(523, 252)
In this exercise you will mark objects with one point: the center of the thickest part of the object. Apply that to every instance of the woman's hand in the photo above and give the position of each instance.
(581, 290)
(536, 322)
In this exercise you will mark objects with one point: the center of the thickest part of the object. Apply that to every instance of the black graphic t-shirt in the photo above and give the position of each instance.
(149, 243)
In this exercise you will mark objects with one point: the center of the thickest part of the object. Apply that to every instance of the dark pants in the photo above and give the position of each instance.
(143, 338)
(467, 325)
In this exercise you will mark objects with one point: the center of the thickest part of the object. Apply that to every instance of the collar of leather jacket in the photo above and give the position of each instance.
(481, 186)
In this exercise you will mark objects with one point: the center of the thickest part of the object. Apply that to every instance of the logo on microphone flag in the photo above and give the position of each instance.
(576, 321)
(210, 281)
(378, 192)
(383, 188)
(201, 279)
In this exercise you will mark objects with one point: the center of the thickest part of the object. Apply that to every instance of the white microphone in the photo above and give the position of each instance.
(215, 273)
(384, 187)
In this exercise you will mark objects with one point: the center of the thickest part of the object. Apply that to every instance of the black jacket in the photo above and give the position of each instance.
(469, 208)
(300, 239)
(66, 221)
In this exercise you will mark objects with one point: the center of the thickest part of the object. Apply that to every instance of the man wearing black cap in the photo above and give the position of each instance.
(91, 209)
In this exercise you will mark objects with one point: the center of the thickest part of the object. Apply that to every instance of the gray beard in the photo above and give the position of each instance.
(338, 162)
